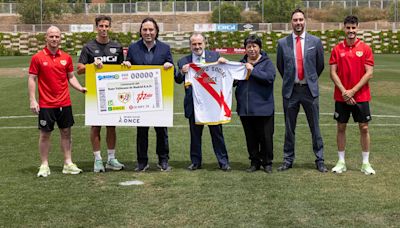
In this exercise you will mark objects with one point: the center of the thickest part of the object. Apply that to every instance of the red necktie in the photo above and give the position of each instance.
(299, 59)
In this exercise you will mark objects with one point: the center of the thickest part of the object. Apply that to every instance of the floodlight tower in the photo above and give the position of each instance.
(41, 15)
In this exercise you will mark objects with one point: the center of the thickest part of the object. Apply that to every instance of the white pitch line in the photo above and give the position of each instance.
(225, 126)
(181, 113)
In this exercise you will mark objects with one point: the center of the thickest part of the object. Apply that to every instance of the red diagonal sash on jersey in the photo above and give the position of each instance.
(205, 81)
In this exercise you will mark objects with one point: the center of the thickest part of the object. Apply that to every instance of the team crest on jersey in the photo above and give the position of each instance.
(359, 53)
(45, 63)
(342, 54)
(124, 97)
(96, 51)
(113, 50)
(63, 62)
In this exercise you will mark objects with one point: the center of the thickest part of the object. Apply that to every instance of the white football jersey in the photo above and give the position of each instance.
(212, 90)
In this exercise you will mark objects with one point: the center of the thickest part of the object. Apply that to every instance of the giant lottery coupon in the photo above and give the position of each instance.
(135, 96)
(129, 91)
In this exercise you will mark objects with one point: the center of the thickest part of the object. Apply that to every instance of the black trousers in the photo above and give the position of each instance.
(218, 142)
(142, 142)
(259, 131)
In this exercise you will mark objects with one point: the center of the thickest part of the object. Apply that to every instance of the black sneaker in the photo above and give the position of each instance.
(253, 168)
(226, 168)
(164, 166)
(268, 168)
(193, 167)
(142, 167)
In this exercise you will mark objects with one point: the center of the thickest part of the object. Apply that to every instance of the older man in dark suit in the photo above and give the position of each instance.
(300, 61)
(150, 51)
(200, 55)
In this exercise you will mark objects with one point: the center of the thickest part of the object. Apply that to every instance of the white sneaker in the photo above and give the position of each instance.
(44, 171)
(340, 167)
(367, 169)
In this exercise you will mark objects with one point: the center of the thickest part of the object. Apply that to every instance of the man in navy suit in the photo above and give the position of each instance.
(200, 55)
(300, 61)
(150, 51)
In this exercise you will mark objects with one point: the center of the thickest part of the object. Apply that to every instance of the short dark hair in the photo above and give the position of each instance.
(151, 20)
(253, 39)
(298, 10)
(102, 18)
(351, 20)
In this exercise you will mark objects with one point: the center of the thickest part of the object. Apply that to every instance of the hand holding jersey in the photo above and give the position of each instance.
(212, 89)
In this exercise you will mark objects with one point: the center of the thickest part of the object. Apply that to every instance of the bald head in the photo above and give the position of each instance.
(53, 38)
(53, 29)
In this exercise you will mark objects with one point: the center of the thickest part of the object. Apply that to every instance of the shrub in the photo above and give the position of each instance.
(279, 10)
(250, 17)
(229, 14)
(337, 13)
(30, 11)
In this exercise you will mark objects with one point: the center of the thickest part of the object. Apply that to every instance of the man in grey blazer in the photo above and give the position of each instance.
(300, 61)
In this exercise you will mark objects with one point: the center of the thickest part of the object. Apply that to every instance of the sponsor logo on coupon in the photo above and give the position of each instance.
(116, 108)
(108, 77)
(143, 96)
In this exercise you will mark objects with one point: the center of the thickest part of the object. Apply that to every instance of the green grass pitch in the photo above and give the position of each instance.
(300, 197)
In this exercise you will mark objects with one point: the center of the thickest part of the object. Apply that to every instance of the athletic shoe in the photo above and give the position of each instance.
(142, 167)
(164, 166)
(44, 171)
(367, 169)
(71, 169)
(98, 166)
(114, 164)
(340, 167)
(226, 168)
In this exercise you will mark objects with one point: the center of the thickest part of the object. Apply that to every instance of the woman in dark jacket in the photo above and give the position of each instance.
(255, 105)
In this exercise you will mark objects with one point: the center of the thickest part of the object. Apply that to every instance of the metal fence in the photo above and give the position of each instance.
(168, 27)
(190, 6)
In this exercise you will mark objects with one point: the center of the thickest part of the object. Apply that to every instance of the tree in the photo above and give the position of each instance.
(279, 10)
(229, 14)
(31, 14)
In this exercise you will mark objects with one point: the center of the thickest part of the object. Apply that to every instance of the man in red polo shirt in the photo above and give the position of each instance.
(52, 69)
(352, 64)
